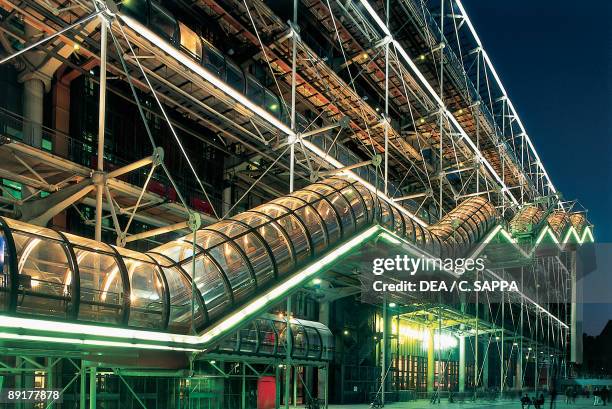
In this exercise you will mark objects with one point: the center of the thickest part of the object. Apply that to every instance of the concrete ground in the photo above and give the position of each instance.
(581, 403)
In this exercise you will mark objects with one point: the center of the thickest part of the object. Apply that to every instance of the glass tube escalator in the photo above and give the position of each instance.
(187, 285)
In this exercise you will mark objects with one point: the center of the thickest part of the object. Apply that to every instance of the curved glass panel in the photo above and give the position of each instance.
(275, 238)
(45, 276)
(368, 201)
(176, 250)
(356, 202)
(386, 217)
(249, 337)
(213, 60)
(36, 230)
(230, 228)
(102, 287)
(235, 77)
(314, 342)
(409, 229)
(139, 9)
(299, 346)
(310, 219)
(148, 305)
(328, 214)
(258, 256)
(210, 283)
(234, 266)
(398, 221)
(207, 238)
(525, 219)
(343, 209)
(325, 212)
(281, 330)
(267, 337)
(418, 234)
(181, 296)
(292, 227)
(328, 347)
(462, 225)
(230, 343)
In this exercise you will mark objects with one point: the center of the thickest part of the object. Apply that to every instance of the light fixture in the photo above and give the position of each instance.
(387, 237)
(316, 281)
(213, 362)
(392, 305)
(345, 332)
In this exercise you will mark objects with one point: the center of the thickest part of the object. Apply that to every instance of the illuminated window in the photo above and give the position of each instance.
(190, 41)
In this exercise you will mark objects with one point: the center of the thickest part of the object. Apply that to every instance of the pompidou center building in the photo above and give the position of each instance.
(264, 204)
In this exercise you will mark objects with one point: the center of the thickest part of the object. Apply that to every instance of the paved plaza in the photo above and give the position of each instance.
(581, 403)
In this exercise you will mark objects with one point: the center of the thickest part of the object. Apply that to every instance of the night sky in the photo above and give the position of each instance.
(555, 60)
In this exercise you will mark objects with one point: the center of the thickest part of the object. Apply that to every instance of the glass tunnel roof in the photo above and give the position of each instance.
(267, 336)
(49, 274)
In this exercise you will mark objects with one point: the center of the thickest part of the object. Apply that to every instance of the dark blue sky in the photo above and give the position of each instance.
(555, 60)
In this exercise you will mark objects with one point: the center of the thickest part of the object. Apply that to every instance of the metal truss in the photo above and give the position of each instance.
(408, 86)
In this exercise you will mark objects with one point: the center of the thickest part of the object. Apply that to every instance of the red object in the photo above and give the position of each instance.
(201, 205)
(171, 194)
(162, 190)
(156, 187)
(266, 392)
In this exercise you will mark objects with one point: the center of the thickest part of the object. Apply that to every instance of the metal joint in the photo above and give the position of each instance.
(195, 221)
(158, 156)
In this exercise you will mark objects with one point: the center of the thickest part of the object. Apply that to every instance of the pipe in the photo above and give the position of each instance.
(101, 126)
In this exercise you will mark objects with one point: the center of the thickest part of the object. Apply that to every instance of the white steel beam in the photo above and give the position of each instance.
(503, 90)
(439, 101)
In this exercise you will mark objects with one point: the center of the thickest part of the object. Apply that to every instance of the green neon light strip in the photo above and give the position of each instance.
(547, 230)
(391, 237)
(586, 235)
(86, 331)
(94, 342)
(580, 240)
(75, 330)
(388, 237)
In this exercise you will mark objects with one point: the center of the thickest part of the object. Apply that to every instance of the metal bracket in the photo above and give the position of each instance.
(158, 156)
(195, 221)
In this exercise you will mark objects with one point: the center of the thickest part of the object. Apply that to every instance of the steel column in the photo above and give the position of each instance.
(101, 126)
